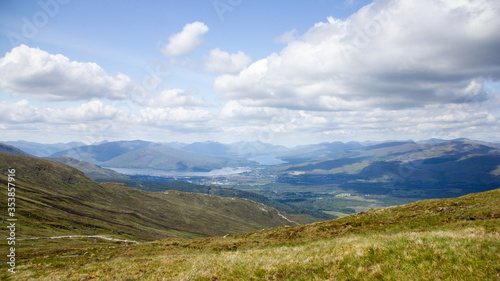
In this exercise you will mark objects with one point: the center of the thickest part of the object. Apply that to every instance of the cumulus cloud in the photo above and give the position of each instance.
(175, 98)
(390, 54)
(48, 77)
(24, 112)
(299, 126)
(90, 111)
(224, 62)
(20, 112)
(185, 41)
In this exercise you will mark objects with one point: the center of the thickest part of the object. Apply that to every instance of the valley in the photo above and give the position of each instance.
(326, 180)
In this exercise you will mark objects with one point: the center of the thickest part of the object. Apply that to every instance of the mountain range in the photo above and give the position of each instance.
(400, 168)
(149, 155)
(432, 168)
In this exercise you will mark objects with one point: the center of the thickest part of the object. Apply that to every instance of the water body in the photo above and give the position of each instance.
(267, 160)
(158, 173)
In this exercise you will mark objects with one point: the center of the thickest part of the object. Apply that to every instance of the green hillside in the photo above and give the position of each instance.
(299, 215)
(444, 239)
(54, 199)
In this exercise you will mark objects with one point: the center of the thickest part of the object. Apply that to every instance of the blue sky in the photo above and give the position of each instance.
(285, 72)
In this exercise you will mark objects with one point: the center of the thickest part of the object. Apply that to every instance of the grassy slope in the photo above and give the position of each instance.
(53, 199)
(446, 239)
(301, 216)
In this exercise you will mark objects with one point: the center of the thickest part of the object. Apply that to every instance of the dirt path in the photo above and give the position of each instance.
(81, 236)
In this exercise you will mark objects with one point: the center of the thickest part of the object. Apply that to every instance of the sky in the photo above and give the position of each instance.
(281, 72)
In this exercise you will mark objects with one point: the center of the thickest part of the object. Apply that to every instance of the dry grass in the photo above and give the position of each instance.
(461, 254)
(452, 239)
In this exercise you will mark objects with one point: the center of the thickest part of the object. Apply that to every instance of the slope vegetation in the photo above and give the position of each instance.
(445, 239)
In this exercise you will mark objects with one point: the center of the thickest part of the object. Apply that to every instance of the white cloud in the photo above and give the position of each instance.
(20, 112)
(224, 62)
(90, 111)
(298, 126)
(96, 121)
(48, 77)
(175, 98)
(185, 41)
(390, 54)
(24, 112)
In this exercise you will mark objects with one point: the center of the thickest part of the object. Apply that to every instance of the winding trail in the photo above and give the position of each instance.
(80, 236)
(291, 221)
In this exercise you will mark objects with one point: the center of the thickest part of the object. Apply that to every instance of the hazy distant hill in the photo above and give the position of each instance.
(102, 152)
(339, 149)
(148, 155)
(90, 170)
(240, 149)
(55, 199)
(317, 151)
(256, 148)
(208, 148)
(12, 150)
(41, 149)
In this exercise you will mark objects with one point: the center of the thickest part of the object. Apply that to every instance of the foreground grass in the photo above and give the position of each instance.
(448, 239)
(462, 254)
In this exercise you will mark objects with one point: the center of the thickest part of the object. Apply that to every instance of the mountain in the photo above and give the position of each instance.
(92, 171)
(43, 150)
(446, 239)
(163, 157)
(490, 144)
(12, 150)
(255, 148)
(208, 148)
(406, 169)
(239, 149)
(317, 151)
(54, 199)
(148, 155)
(102, 152)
